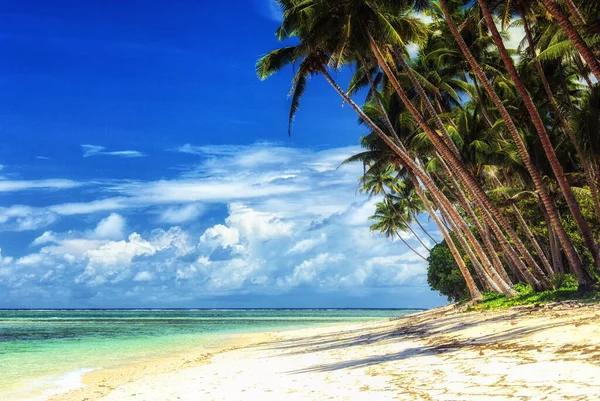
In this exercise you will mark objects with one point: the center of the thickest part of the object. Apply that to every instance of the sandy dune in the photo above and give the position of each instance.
(550, 353)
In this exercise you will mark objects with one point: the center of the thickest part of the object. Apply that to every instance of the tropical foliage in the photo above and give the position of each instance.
(499, 146)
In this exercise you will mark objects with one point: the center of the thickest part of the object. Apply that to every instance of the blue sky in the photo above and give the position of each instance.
(143, 164)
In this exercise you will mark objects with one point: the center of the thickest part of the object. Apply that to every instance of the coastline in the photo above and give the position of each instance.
(99, 383)
(527, 353)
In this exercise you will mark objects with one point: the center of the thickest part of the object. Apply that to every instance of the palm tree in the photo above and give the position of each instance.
(377, 154)
(390, 222)
(309, 33)
(587, 166)
(553, 7)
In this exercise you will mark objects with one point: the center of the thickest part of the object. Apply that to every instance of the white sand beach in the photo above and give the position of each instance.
(530, 353)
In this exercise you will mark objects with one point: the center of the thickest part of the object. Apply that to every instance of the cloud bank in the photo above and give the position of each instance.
(259, 225)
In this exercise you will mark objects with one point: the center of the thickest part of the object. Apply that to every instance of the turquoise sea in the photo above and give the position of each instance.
(44, 352)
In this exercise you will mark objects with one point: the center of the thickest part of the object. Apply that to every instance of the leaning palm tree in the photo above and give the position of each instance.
(565, 24)
(585, 281)
(550, 152)
(390, 221)
(379, 155)
(310, 21)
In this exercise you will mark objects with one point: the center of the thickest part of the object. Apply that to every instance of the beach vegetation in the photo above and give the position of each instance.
(567, 291)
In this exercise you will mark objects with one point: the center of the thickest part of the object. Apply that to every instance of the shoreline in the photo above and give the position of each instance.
(99, 382)
(527, 353)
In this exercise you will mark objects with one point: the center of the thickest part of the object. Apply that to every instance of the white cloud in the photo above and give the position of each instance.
(95, 150)
(112, 227)
(33, 259)
(202, 190)
(203, 260)
(175, 238)
(73, 247)
(182, 214)
(25, 218)
(309, 270)
(101, 205)
(23, 185)
(232, 275)
(121, 253)
(255, 224)
(143, 276)
(221, 235)
(46, 237)
(307, 244)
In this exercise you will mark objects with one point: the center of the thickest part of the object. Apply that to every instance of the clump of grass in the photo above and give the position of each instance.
(566, 290)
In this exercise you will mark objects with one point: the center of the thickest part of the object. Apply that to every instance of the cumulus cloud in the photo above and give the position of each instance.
(120, 252)
(309, 270)
(256, 224)
(220, 235)
(112, 227)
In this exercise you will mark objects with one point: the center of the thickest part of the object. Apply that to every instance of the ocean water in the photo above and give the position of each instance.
(45, 352)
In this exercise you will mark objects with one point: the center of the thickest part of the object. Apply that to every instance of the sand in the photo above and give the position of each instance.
(532, 353)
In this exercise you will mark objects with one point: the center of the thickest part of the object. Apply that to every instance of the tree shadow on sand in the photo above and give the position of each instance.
(433, 335)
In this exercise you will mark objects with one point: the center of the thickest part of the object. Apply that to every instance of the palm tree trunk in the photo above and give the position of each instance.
(499, 268)
(593, 184)
(425, 179)
(537, 281)
(554, 246)
(482, 272)
(581, 67)
(574, 36)
(478, 256)
(488, 276)
(472, 287)
(559, 115)
(534, 241)
(373, 87)
(483, 108)
(417, 237)
(390, 127)
(410, 247)
(542, 255)
(583, 276)
(425, 101)
(424, 230)
(575, 12)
